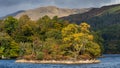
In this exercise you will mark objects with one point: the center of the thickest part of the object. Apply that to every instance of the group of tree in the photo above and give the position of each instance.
(47, 39)
(106, 21)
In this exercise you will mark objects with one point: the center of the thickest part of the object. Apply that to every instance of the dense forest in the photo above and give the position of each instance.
(48, 39)
(106, 21)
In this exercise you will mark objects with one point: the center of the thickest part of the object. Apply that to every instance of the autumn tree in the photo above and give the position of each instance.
(77, 37)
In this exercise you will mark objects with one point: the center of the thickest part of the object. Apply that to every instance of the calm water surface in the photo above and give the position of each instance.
(110, 61)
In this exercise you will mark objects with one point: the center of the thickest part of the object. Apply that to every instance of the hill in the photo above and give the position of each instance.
(98, 18)
(105, 20)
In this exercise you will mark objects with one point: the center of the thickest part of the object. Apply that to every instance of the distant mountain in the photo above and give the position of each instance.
(51, 11)
(13, 14)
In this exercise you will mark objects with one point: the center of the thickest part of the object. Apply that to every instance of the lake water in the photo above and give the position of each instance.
(110, 61)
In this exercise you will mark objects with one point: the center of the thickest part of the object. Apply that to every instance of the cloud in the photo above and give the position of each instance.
(80, 3)
(10, 6)
(63, 3)
(18, 2)
(112, 2)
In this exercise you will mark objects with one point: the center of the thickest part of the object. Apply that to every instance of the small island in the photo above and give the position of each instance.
(48, 41)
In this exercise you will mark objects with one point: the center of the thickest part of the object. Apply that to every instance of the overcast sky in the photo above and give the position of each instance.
(10, 6)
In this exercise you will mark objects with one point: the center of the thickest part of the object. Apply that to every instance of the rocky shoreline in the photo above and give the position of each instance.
(57, 62)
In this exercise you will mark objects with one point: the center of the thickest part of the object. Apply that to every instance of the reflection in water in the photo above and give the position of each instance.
(109, 61)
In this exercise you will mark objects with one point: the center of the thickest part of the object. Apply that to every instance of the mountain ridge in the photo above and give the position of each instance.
(12, 14)
(50, 11)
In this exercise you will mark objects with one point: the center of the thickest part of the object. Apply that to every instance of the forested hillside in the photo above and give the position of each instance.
(106, 21)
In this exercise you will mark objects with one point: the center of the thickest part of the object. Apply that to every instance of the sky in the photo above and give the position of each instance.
(11, 6)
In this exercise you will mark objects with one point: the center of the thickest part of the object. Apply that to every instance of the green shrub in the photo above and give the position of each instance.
(39, 55)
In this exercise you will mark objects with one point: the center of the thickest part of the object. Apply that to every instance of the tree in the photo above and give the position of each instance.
(10, 24)
(23, 19)
(68, 37)
(77, 37)
(8, 47)
(93, 49)
(51, 50)
(26, 28)
(53, 33)
(1, 25)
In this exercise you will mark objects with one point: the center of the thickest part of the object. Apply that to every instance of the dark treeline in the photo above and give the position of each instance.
(47, 39)
(108, 26)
